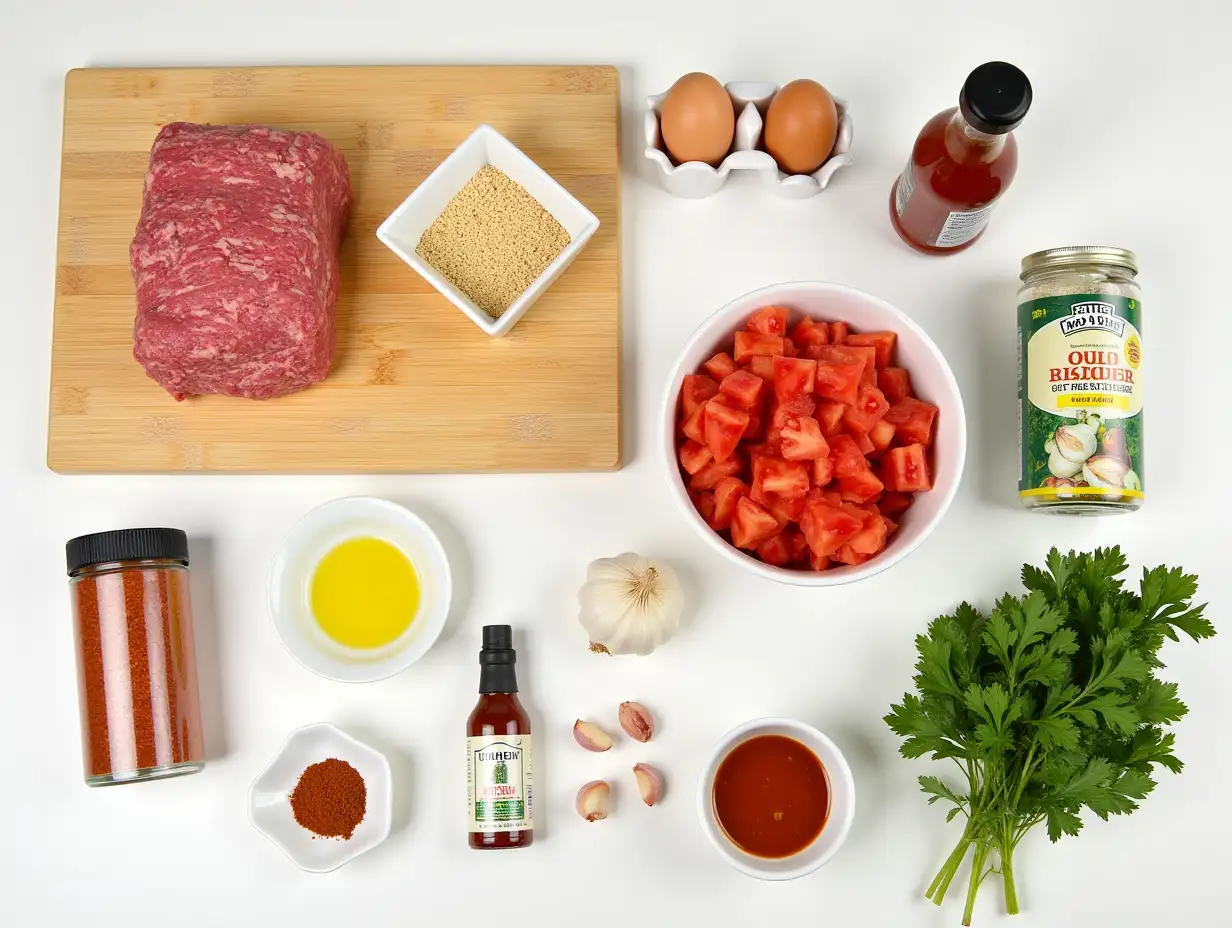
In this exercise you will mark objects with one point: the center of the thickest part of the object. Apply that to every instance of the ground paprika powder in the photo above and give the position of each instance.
(136, 666)
(330, 799)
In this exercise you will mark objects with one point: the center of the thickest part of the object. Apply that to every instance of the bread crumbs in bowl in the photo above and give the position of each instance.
(812, 433)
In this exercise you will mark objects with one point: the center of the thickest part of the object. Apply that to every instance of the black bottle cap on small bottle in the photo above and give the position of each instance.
(130, 544)
(497, 660)
(995, 97)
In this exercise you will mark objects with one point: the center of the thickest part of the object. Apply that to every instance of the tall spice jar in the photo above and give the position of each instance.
(136, 665)
(1080, 366)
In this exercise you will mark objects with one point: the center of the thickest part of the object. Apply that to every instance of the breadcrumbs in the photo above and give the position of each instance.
(492, 240)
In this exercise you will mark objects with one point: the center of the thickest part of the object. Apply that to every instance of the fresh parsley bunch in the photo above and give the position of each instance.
(1048, 704)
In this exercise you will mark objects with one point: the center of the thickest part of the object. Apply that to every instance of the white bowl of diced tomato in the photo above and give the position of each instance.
(813, 433)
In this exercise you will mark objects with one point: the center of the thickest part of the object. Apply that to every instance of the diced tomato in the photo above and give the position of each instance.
(784, 509)
(847, 458)
(846, 354)
(861, 487)
(823, 471)
(802, 439)
(796, 543)
(838, 382)
(789, 349)
(694, 426)
(895, 383)
(695, 390)
(769, 320)
(751, 524)
(694, 456)
(703, 501)
(724, 426)
(829, 415)
(872, 536)
(753, 431)
(808, 333)
(893, 503)
(881, 434)
(795, 406)
(763, 367)
(727, 492)
(783, 478)
(863, 443)
(847, 555)
(838, 333)
(827, 527)
(708, 477)
(890, 524)
(775, 551)
(912, 421)
(866, 411)
(818, 562)
(906, 469)
(720, 366)
(794, 377)
(742, 387)
(883, 342)
(755, 344)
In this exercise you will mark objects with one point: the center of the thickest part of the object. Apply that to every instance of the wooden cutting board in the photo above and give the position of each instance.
(415, 387)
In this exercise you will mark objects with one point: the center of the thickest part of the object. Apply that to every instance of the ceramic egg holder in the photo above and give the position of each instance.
(696, 179)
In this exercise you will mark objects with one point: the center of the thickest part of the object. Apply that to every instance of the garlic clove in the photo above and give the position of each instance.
(637, 721)
(591, 736)
(593, 800)
(1103, 470)
(1062, 467)
(649, 783)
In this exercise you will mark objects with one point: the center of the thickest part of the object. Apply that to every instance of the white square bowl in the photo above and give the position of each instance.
(404, 227)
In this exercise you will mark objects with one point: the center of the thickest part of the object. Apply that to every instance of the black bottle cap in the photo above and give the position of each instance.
(130, 544)
(995, 97)
(497, 637)
(497, 659)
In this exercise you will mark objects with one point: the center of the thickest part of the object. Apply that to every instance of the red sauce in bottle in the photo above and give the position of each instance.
(962, 162)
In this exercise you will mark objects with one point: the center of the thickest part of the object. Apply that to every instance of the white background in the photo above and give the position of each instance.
(1127, 144)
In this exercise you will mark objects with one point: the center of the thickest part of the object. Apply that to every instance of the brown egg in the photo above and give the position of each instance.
(801, 125)
(697, 120)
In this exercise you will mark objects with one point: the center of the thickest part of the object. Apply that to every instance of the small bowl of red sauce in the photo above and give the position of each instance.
(776, 798)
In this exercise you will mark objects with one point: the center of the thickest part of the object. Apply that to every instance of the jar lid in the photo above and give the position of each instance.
(129, 544)
(995, 97)
(1078, 255)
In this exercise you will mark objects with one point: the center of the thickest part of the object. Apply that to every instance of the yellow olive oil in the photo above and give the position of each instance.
(365, 593)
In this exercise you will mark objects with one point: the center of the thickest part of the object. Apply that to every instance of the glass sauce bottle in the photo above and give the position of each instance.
(498, 751)
(963, 160)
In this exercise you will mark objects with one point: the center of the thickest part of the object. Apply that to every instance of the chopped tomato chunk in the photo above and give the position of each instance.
(775, 551)
(893, 503)
(755, 344)
(863, 443)
(763, 367)
(839, 382)
(784, 509)
(796, 543)
(769, 320)
(866, 411)
(872, 537)
(829, 415)
(827, 527)
(742, 387)
(823, 471)
(694, 426)
(794, 377)
(751, 524)
(709, 476)
(696, 389)
(883, 342)
(895, 383)
(727, 492)
(847, 458)
(912, 421)
(847, 555)
(703, 502)
(881, 435)
(802, 439)
(861, 487)
(807, 332)
(723, 426)
(846, 354)
(838, 333)
(694, 456)
(783, 478)
(906, 469)
(720, 366)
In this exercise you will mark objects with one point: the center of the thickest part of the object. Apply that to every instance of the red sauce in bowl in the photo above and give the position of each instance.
(771, 796)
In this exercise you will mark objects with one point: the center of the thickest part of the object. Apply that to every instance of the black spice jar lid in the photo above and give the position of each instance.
(995, 97)
(130, 544)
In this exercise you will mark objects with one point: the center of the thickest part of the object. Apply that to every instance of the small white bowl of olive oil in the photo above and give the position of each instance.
(360, 589)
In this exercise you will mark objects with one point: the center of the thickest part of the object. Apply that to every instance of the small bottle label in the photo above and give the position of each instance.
(1080, 397)
(961, 226)
(905, 188)
(498, 778)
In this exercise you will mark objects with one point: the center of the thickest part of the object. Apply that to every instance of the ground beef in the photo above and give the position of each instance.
(236, 260)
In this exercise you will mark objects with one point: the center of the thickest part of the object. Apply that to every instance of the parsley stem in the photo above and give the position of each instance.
(1007, 877)
(977, 876)
(945, 876)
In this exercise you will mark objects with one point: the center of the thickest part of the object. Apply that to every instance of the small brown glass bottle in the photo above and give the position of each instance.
(498, 751)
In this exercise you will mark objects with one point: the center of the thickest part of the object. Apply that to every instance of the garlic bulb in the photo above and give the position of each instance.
(1060, 466)
(629, 604)
(1075, 443)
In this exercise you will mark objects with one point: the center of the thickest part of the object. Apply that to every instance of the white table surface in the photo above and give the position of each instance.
(1126, 144)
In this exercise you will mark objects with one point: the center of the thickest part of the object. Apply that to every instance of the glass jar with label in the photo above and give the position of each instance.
(1080, 381)
(962, 162)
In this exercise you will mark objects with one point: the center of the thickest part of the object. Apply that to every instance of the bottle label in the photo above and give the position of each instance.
(905, 188)
(1080, 398)
(961, 226)
(498, 779)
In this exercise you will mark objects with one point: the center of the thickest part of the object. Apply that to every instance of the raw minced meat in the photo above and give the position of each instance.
(236, 260)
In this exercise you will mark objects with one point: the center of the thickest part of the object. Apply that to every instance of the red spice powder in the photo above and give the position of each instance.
(137, 672)
(330, 799)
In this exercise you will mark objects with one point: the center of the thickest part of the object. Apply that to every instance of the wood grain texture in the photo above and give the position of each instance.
(415, 386)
